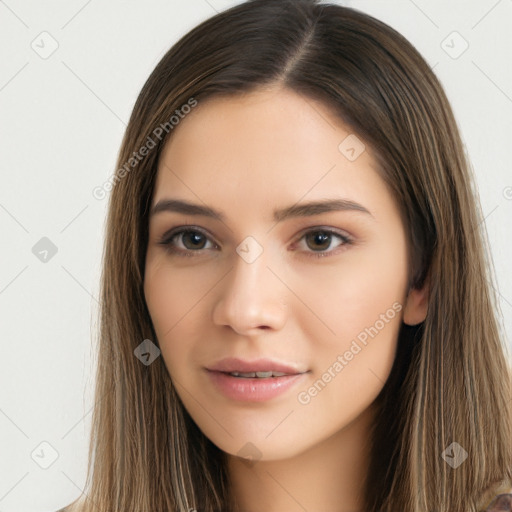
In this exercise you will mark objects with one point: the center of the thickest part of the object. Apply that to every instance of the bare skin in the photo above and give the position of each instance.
(246, 157)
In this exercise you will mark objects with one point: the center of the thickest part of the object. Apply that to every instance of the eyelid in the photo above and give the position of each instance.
(179, 229)
(167, 237)
(327, 229)
(345, 237)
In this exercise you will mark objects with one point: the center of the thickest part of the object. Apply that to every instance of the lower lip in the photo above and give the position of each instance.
(253, 389)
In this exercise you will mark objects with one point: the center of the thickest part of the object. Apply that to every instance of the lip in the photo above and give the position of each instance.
(235, 364)
(253, 389)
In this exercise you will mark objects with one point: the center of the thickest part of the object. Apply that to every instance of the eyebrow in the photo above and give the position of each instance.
(296, 210)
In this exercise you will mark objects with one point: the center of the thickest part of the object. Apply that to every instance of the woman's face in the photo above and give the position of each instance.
(261, 273)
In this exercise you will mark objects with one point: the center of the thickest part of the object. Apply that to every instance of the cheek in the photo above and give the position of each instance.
(346, 297)
(351, 366)
(359, 302)
(172, 292)
(161, 295)
(162, 305)
(176, 299)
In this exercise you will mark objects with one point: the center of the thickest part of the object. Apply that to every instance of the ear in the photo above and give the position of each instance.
(416, 305)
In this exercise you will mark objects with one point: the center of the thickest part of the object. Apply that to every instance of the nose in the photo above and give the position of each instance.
(251, 298)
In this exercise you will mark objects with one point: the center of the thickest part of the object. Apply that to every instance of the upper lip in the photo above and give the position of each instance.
(234, 364)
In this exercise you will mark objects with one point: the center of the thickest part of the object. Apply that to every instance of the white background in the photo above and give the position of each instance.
(62, 120)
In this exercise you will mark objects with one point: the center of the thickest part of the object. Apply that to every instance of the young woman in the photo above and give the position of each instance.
(296, 306)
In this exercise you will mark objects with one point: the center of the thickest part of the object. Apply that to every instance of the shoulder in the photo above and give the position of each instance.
(501, 503)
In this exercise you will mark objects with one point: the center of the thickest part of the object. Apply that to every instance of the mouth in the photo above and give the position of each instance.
(257, 375)
(253, 389)
(262, 368)
(254, 381)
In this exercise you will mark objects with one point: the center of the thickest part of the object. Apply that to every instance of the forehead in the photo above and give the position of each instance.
(265, 148)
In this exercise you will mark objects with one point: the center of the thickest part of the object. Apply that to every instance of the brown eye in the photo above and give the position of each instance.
(193, 239)
(322, 242)
(318, 240)
(187, 242)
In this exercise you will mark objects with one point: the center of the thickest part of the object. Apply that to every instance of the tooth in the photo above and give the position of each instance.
(261, 375)
(264, 374)
(246, 375)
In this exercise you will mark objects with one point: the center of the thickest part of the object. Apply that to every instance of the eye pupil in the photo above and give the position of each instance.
(196, 239)
(319, 237)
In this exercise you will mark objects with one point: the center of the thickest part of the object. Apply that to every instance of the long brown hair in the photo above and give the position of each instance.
(451, 381)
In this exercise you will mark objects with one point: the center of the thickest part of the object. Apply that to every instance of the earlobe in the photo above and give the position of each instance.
(416, 305)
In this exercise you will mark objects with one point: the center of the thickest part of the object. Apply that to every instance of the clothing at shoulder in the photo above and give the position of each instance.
(501, 503)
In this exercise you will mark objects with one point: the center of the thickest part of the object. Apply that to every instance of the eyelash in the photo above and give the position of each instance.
(167, 239)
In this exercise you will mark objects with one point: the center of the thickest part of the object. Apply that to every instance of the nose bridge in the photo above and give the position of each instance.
(250, 270)
(251, 296)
